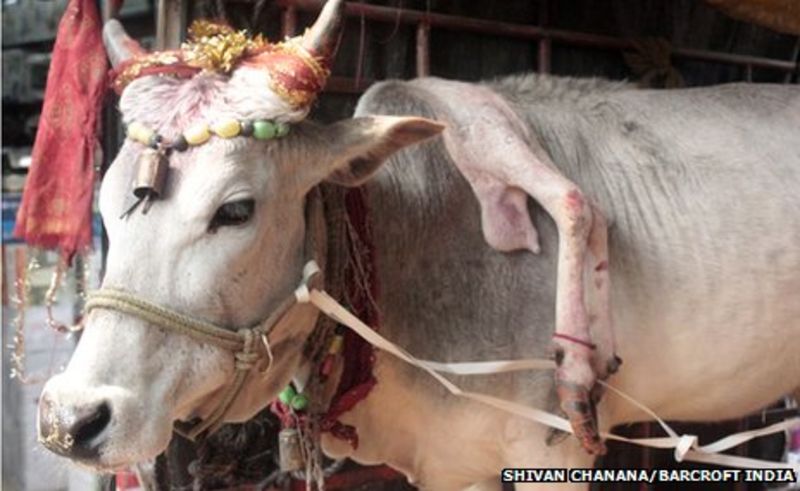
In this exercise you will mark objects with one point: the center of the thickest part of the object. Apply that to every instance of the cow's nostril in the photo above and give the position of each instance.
(86, 429)
(74, 431)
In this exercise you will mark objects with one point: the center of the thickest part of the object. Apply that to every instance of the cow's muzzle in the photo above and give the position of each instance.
(77, 431)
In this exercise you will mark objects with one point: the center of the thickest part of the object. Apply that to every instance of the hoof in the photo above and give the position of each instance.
(555, 436)
(613, 364)
(577, 403)
(598, 391)
(605, 368)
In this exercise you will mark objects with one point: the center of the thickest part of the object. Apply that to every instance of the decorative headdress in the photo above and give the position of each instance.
(297, 67)
(297, 70)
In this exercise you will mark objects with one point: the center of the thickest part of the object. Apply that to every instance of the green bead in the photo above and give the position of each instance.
(299, 402)
(287, 395)
(281, 129)
(263, 130)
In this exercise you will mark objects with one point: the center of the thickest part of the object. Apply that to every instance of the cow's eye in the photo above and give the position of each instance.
(233, 213)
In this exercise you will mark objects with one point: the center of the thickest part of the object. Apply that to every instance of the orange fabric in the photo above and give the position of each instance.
(57, 203)
(297, 77)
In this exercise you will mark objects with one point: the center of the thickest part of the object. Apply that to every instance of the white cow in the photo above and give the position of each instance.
(699, 187)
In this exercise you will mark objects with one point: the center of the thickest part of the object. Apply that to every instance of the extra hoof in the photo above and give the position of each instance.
(604, 368)
(554, 437)
(613, 364)
(577, 403)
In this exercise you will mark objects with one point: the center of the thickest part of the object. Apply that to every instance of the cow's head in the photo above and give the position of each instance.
(223, 244)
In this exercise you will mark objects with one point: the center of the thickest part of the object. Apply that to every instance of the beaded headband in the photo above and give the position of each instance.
(153, 163)
(297, 70)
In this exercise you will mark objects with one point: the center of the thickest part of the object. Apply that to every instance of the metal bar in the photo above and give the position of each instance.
(170, 23)
(545, 45)
(289, 22)
(423, 49)
(445, 21)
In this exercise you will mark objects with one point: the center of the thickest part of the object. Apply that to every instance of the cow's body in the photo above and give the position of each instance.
(700, 188)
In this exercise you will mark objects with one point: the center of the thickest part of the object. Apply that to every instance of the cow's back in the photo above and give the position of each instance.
(700, 185)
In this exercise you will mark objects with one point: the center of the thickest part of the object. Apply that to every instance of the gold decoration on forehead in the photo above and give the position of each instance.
(217, 47)
(205, 28)
(212, 47)
(297, 74)
(140, 65)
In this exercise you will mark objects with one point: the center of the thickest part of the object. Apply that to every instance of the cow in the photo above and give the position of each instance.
(697, 186)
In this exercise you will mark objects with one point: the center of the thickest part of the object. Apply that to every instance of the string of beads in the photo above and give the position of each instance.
(260, 129)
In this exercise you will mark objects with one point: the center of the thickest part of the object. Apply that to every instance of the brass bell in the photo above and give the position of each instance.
(151, 174)
(290, 450)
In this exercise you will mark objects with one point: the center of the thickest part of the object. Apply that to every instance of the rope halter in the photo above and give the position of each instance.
(243, 342)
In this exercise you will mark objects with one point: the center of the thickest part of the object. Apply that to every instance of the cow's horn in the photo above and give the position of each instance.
(323, 37)
(119, 45)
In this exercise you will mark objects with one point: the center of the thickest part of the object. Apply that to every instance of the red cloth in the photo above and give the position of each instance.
(56, 209)
(357, 379)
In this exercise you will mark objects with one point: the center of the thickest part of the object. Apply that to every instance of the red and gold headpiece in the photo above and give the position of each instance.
(298, 67)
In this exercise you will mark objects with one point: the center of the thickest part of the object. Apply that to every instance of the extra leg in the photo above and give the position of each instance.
(573, 346)
(504, 164)
(606, 361)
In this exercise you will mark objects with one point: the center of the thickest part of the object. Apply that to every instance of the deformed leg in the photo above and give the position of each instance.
(504, 164)
(574, 349)
(606, 361)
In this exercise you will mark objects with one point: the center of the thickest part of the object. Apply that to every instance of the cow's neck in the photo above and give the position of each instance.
(401, 422)
(349, 244)
(337, 235)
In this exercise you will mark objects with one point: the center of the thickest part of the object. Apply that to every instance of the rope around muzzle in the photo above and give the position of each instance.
(242, 342)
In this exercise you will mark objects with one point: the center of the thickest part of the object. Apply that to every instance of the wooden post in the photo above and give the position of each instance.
(108, 134)
(170, 23)
(109, 10)
(423, 49)
(289, 22)
(545, 44)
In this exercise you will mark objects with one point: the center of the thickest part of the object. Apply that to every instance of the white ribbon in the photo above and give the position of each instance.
(686, 447)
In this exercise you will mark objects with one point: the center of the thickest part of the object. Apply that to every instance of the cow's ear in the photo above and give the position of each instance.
(361, 145)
